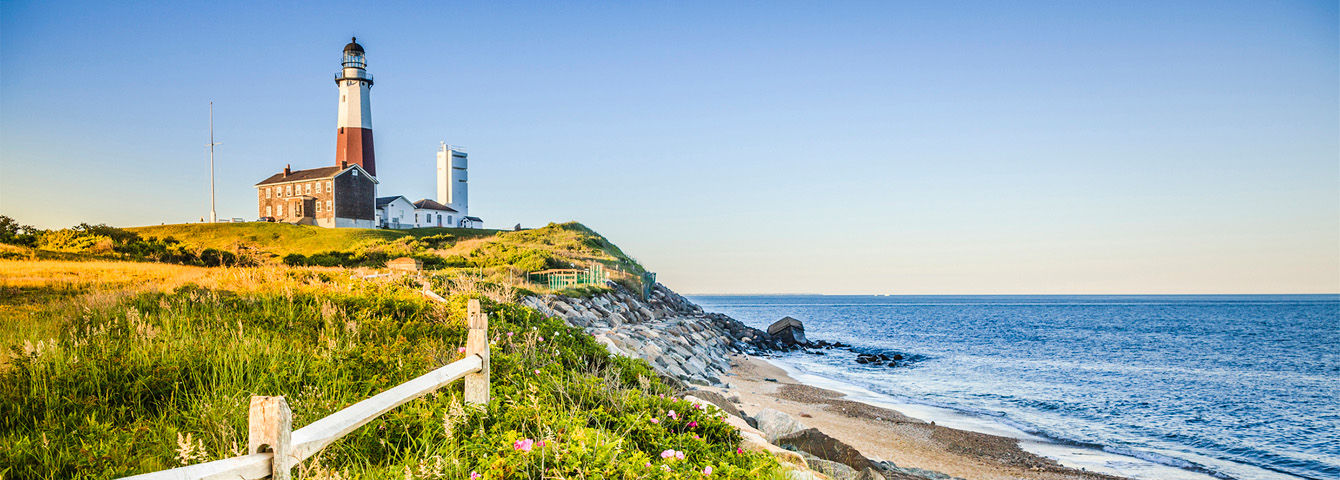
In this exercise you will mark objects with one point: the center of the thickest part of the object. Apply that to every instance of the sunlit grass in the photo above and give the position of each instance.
(121, 368)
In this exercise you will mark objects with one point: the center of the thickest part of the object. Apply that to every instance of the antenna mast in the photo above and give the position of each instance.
(213, 217)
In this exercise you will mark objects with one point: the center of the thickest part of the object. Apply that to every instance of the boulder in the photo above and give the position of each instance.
(869, 474)
(788, 330)
(775, 424)
(819, 444)
(834, 470)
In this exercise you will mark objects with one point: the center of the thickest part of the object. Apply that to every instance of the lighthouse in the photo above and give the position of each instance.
(353, 144)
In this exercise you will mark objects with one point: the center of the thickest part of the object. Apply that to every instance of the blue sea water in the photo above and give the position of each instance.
(1233, 386)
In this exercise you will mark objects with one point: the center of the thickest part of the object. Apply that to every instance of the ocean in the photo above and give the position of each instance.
(1149, 386)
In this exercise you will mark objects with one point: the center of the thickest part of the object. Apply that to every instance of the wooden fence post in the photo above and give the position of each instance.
(477, 343)
(269, 427)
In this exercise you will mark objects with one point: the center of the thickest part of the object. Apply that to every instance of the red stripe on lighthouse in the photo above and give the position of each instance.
(354, 145)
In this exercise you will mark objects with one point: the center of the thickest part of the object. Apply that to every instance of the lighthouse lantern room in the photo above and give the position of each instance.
(354, 140)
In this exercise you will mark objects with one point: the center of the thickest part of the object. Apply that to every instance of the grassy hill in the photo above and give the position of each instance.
(557, 245)
(282, 238)
(113, 367)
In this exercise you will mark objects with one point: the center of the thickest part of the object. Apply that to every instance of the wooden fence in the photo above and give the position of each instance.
(275, 448)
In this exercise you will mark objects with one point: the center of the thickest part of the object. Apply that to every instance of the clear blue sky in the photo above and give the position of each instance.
(865, 147)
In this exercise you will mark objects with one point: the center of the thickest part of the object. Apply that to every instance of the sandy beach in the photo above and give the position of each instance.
(886, 435)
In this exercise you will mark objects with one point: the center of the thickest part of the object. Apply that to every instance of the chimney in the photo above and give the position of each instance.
(344, 164)
(288, 169)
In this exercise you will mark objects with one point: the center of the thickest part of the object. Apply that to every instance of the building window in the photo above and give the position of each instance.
(318, 207)
(267, 211)
(279, 210)
(416, 218)
(309, 189)
(448, 219)
(328, 206)
(288, 190)
(318, 187)
(328, 187)
(267, 192)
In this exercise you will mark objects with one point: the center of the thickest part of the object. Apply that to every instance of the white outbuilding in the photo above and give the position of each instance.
(395, 212)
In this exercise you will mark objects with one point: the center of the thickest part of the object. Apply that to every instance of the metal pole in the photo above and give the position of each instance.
(213, 217)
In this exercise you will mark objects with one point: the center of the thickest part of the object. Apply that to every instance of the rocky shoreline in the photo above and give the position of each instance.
(667, 330)
(676, 336)
(704, 352)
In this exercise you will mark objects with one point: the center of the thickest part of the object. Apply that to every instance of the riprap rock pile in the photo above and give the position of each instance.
(667, 330)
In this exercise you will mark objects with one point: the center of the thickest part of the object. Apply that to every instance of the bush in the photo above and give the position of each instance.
(295, 260)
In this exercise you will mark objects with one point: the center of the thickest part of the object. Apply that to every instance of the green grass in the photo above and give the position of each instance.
(156, 378)
(282, 239)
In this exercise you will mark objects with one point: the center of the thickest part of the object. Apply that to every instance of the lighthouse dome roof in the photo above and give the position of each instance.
(353, 46)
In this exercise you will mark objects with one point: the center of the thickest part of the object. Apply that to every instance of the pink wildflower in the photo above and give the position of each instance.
(707, 470)
(679, 454)
(673, 415)
(460, 350)
(475, 475)
(693, 424)
(667, 454)
(655, 420)
(541, 339)
(739, 450)
(537, 371)
(509, 334)
(524, 445)
(540, 444)
(648, 464)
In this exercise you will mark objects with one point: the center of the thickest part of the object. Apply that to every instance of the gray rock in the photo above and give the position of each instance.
(869, 474)
(833, 469)
(775, 424)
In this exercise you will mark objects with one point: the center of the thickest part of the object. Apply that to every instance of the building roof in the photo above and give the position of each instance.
(383, 201)
(353, 46)
(311, 174)
(427, 204)
(300, 175)
(477, 219)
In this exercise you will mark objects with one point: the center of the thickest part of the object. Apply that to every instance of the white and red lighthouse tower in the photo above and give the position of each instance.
(354, 141)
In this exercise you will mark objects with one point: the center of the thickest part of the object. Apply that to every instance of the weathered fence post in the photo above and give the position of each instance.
(477, 343)
(269, 427)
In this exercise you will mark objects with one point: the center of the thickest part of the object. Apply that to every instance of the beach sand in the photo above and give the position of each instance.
(883, 434)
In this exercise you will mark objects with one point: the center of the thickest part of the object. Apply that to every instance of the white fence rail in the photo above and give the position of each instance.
(275, 448)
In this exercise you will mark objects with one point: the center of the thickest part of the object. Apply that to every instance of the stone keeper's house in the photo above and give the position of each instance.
(342, 196)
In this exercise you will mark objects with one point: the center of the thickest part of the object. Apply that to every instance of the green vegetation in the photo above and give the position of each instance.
(156, 379)
(102, 241)
(114, 368)
(280, 239)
